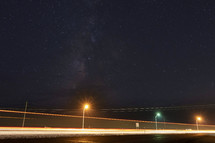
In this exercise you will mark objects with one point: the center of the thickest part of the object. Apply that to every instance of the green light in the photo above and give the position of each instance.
(158, 114)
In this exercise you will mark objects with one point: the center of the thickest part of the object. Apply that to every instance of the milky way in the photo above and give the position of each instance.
(114, 53)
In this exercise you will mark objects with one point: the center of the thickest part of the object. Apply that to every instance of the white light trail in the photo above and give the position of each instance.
(18, 132)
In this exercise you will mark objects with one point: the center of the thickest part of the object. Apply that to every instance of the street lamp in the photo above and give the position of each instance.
(156, 122)
(198, 119)
(86, 106)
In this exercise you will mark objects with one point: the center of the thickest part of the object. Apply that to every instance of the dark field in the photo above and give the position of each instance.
(191, 138)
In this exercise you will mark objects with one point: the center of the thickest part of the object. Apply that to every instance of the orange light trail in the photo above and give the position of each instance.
(8, 117)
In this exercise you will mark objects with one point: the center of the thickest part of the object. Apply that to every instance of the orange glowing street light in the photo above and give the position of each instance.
(198, 119)
(86, 106)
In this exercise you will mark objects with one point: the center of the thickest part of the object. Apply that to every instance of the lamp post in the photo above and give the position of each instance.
(86, 106)
(23, 121)
(198, 119)
(156, 122)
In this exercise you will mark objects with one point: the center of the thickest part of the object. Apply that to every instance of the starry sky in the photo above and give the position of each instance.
(112, 53)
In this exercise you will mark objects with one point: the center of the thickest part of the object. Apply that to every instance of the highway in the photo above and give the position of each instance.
(26, 132)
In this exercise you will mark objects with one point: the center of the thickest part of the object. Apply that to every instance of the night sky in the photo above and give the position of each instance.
(112, 53)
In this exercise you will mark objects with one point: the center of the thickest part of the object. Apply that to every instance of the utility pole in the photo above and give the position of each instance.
(23, 122)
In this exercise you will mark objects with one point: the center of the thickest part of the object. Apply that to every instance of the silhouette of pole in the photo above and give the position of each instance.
(23, 122)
